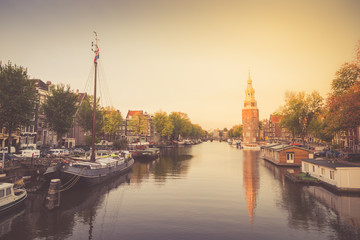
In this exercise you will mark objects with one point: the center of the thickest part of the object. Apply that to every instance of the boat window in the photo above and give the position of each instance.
(2, 193)
(8, 191)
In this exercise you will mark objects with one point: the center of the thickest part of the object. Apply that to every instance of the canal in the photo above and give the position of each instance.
(205, 191)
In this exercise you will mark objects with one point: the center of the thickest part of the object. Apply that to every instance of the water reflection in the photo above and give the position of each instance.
(251, 181)
(6, 221)
(347, 207)
(172, 162)
(77, 205)
(313, 207)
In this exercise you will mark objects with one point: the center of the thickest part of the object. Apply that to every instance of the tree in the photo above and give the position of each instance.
(299, 110)
(59, 109)
(344, 110)
(181, 123)
(17, 99)
(236, 131)
(163, 124)
(319, 128)
(112, 121)
(85, 115)
(343, 104)
(197, 131)
(345, 77)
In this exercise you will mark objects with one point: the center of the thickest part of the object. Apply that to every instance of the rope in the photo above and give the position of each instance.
(71, 185)
(71, 182)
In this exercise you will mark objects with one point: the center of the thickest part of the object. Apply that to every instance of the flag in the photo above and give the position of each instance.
(96, 55)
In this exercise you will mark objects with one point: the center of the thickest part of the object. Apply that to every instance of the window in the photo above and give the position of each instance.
(332, 175)
(313, 168)
(2, 192)
(290, 157)
(8, 191)
(322, 171)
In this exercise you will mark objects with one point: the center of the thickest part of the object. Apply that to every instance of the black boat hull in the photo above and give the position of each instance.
(71, 176)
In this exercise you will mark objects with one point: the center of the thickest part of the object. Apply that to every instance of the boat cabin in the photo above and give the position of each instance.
(9, 197)
(342, 176)
(285, 155)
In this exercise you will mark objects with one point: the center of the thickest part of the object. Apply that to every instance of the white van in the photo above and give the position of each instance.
(56, 152)
(28, 153)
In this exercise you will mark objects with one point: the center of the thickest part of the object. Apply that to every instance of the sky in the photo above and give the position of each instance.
(190, 56)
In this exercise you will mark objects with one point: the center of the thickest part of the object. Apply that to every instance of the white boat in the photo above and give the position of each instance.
(250, 146)
(10, 197)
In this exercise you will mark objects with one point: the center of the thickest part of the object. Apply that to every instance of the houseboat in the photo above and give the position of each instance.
(285, 155)
(338, 175)
(10, 197)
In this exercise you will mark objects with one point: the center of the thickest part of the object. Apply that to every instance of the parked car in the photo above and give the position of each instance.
(332, 154)
(8, 157)
(320, 154)
(56, 152)
(28, 153)
(79, 151)
(352, 157)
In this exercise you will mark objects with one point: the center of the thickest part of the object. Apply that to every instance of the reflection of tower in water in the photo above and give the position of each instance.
(250, 180)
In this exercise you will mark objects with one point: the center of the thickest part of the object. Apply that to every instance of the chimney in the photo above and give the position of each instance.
(77, 90)
(48, 83)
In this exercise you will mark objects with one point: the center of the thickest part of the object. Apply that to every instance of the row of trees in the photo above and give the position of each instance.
(19, 101)
(176, 125)
(324, 118)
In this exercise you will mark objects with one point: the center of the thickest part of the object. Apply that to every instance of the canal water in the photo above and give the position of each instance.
(205, 191)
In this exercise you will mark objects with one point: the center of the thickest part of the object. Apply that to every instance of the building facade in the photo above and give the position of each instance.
(38, 134)
(139, 127)
(250, 115)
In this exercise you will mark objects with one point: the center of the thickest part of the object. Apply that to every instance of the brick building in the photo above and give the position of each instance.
(250, 115)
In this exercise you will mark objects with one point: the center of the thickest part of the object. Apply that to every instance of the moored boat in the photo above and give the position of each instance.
(10, 197)
(147, 154)
(96, 168)
(251, 146)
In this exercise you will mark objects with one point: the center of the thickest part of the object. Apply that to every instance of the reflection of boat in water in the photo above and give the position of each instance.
(84, 198)
(347, 207)
(147, 154)
(7, 221)
(83, 204)
(10, 197)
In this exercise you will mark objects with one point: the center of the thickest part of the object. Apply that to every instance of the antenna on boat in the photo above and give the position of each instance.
(95, 49)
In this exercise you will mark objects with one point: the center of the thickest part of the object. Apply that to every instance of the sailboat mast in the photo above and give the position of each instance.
(96, 51)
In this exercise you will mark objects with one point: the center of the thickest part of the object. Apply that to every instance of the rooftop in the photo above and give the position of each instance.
(331, 163)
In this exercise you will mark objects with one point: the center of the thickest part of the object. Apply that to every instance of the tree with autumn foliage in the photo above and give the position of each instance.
(299, 111)
(342, 112)
(163, 124)
(236, 131)
(112, 121)
(181, 123)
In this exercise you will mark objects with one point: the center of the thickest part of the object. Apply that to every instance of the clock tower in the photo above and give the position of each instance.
(250, 115)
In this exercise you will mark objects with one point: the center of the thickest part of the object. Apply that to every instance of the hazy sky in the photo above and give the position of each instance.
(191, 56)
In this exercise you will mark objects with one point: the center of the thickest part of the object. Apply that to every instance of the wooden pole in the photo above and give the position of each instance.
(53, 197)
